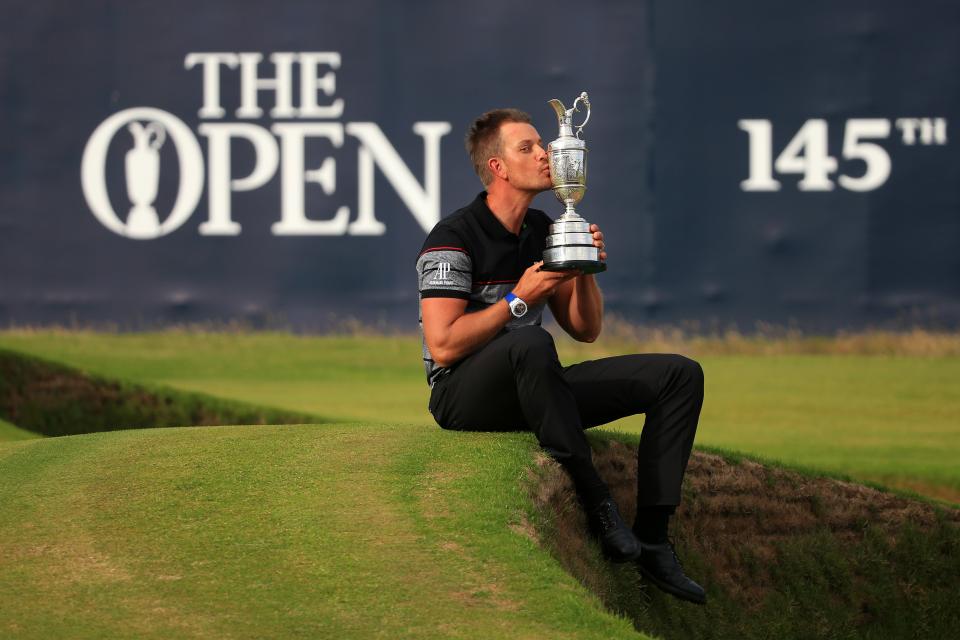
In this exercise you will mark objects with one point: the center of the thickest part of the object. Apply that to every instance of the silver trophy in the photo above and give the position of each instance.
(570, 243)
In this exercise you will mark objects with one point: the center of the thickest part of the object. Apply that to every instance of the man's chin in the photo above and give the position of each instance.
(538, 188)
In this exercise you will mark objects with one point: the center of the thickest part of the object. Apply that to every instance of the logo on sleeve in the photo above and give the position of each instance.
(442, 274)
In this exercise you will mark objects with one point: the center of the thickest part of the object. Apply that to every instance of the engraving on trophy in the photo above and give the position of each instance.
(142, 164)
(569, 168)
(570, 243)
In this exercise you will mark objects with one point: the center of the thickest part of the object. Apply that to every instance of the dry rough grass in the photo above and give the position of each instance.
(770, 340)
(735, 516)
(618, 333)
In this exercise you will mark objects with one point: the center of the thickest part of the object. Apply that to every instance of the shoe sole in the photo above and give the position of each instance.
(667, 588)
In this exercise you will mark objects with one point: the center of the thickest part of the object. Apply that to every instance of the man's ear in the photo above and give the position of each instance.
(497, 167)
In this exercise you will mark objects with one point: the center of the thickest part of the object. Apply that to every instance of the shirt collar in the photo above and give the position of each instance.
(491, 224)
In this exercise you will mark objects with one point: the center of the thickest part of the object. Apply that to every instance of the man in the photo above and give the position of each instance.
(492, 367)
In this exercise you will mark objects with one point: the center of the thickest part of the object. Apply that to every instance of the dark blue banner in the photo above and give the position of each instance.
(281, 164)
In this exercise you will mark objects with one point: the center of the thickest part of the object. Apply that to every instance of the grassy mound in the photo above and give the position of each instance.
(55, 400)
(317, 531)
(783, 554)
(357, 531)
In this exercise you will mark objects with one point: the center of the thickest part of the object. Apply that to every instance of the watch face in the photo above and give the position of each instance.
(519, 309)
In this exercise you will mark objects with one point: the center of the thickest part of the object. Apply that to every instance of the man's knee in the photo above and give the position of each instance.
(688, 371)
(693, 371)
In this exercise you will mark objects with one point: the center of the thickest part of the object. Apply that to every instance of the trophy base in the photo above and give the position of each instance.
(586, 266)
(585, 258)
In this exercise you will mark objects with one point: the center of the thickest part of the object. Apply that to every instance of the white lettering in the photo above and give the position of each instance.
(423, 202)
(293, 218)
(908, 130)
(219, 221)
(926, 131)
(148, 128)
(929, 131)
(761, 156)
(310, 84)
(940, 130)
(873, 155)
(211, 79)
(281, 84)
(806, 153)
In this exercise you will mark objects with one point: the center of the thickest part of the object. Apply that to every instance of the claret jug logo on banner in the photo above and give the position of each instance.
(146, 131)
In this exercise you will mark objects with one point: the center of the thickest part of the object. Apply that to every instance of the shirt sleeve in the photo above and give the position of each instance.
(444, 267)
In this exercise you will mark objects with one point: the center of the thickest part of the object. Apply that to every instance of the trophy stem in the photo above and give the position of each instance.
(570, 215)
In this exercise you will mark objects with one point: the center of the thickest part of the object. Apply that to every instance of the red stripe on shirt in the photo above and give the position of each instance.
(494, 281)
(460, 249)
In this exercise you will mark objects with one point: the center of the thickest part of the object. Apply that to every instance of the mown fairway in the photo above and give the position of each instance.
(323, 531)
(895, 420)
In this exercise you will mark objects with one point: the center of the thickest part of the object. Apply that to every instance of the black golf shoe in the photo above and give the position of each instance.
(617, 540)
(660, 565)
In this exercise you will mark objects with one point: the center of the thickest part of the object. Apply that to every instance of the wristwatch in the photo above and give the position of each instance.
(517, 306)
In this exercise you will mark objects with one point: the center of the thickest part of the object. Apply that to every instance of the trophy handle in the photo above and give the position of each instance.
(585, 100)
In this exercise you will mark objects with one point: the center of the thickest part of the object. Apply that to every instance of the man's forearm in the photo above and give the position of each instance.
(469, 332)
(586, 308)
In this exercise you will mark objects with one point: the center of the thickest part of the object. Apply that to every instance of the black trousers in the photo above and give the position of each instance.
(516, 382)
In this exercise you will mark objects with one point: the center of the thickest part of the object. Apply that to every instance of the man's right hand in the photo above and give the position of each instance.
(536, 286)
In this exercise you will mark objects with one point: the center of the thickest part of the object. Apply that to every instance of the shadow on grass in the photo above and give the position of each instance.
(782, 554)
(55, 400)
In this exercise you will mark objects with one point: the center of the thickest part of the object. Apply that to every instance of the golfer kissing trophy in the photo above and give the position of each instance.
(570, 243)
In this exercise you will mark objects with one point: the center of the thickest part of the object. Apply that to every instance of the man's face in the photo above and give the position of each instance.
(523, 157)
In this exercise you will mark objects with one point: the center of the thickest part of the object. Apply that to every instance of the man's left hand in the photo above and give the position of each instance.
(598, 241)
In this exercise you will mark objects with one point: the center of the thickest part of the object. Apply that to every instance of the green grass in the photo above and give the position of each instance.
(339, 378)
(10, 432)
(390, 527)
(346, 531)
(887, 419)
(894, 420)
